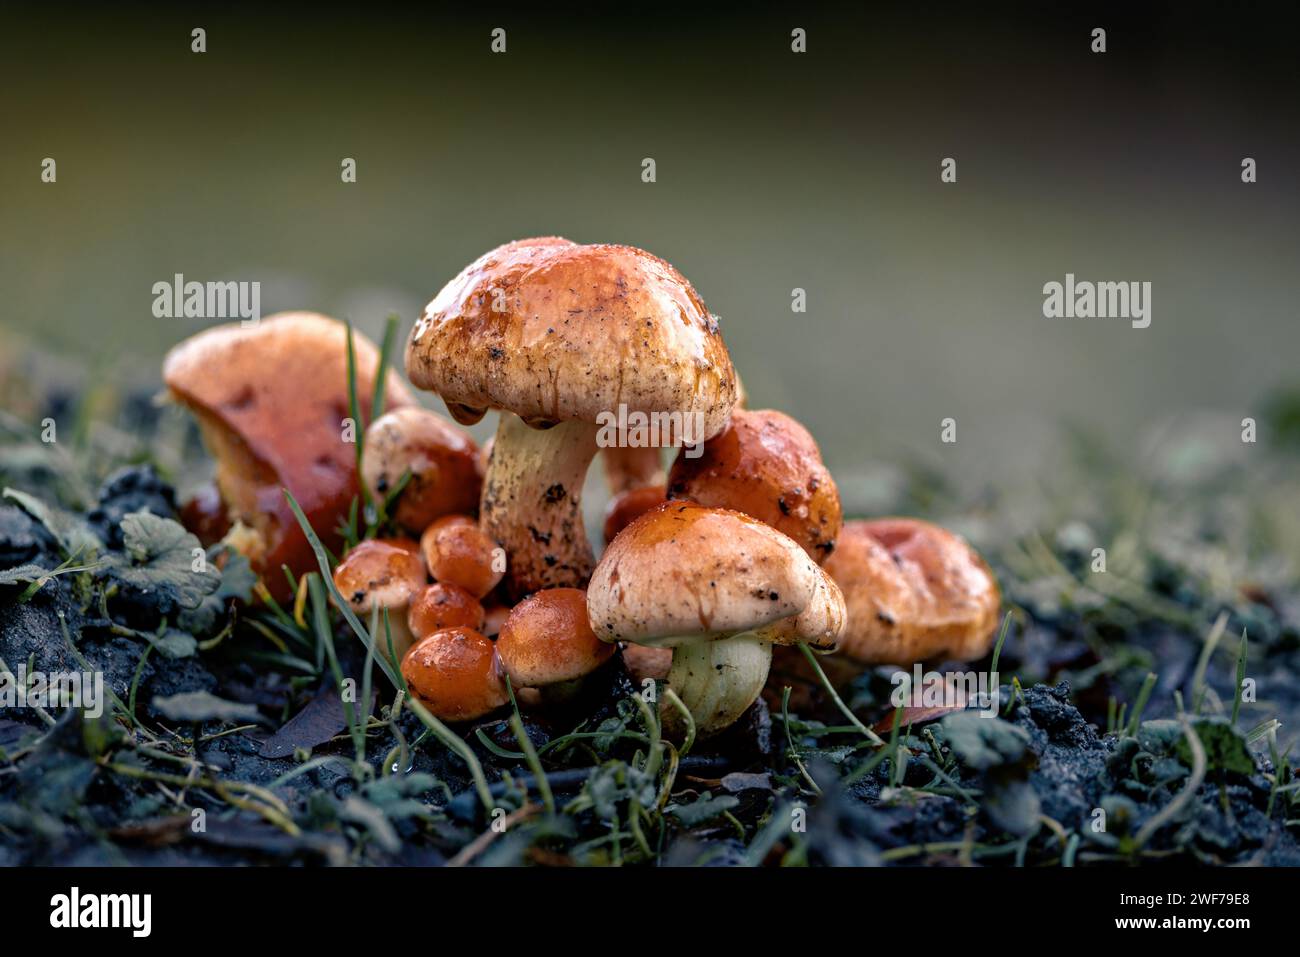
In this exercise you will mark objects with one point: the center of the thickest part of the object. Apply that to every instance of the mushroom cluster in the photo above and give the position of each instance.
(488, 578)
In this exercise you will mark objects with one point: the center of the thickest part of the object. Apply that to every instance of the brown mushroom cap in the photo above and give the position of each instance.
(383, 574)
(767, 465)
(628, 506)
(456, 674)
(440, 606)
(719, 588)
(441, 457)
(271, 400)
(915, 592)
(459, 553)
(547, 640)
(561, 335)
(553, 331)
(683, 572)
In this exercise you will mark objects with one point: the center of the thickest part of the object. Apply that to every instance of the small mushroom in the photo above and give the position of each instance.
(440, 606)
(767, 465)
(719, 588)
(272, 403)
(628, 467)
(559, 337)
(380, 574)
(915, 592)
(456, 674)
(628, 506)
(441, 458)
(547, 643)
(459, 553)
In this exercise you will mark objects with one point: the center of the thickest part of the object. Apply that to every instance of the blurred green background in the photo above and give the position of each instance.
(775, 171)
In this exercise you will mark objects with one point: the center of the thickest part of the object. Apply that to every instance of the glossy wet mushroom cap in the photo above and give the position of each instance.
(272, 400)
(456, 674)
(459, 553)
(440, 457)
(547, 640)
(382, 574)
(914, 592)
(766, 465)
(684, 570)
(440, 606)
(559, 336)
(719, 588)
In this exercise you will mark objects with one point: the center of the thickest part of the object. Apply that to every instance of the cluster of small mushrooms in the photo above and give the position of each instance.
(489, 572)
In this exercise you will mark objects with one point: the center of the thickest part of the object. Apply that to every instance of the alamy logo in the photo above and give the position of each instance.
(179, 299)
(1083, 299)
(58, 689)
(952, 689)
(640, 430)
(133, 911)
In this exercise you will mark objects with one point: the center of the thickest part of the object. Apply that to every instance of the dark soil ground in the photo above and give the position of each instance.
(1122, 738)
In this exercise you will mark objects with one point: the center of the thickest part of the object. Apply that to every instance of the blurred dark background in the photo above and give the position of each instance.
(774, 171)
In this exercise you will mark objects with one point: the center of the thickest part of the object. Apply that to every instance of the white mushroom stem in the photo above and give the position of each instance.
(717, 681)
(532, 503)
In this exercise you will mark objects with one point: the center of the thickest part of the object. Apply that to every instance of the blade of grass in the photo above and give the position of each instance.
(1203, 662)
(1144, 695)
(381, 374)
(354, 407)
(314, 541)
(461, 749)
(671, 696)
(1002, 637)
(534, 763)
(325, 635)
(791, 749)
(1241, 678)
(839, 702)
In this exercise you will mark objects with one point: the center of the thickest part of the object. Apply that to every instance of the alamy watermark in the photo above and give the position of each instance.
(950, 689)
(133, 912)
(56, 689)
(1083, 299)
(179, 299)
(621, 429)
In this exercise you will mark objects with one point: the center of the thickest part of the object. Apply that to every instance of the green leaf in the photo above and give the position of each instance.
(237, 577)
(198, 706)
(35, 577)
(704, 808)
(237, 581)
(72, 532)
(1225, 749)
(25, 574)
(160, 556)
(982, 742)
(1159, 735)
